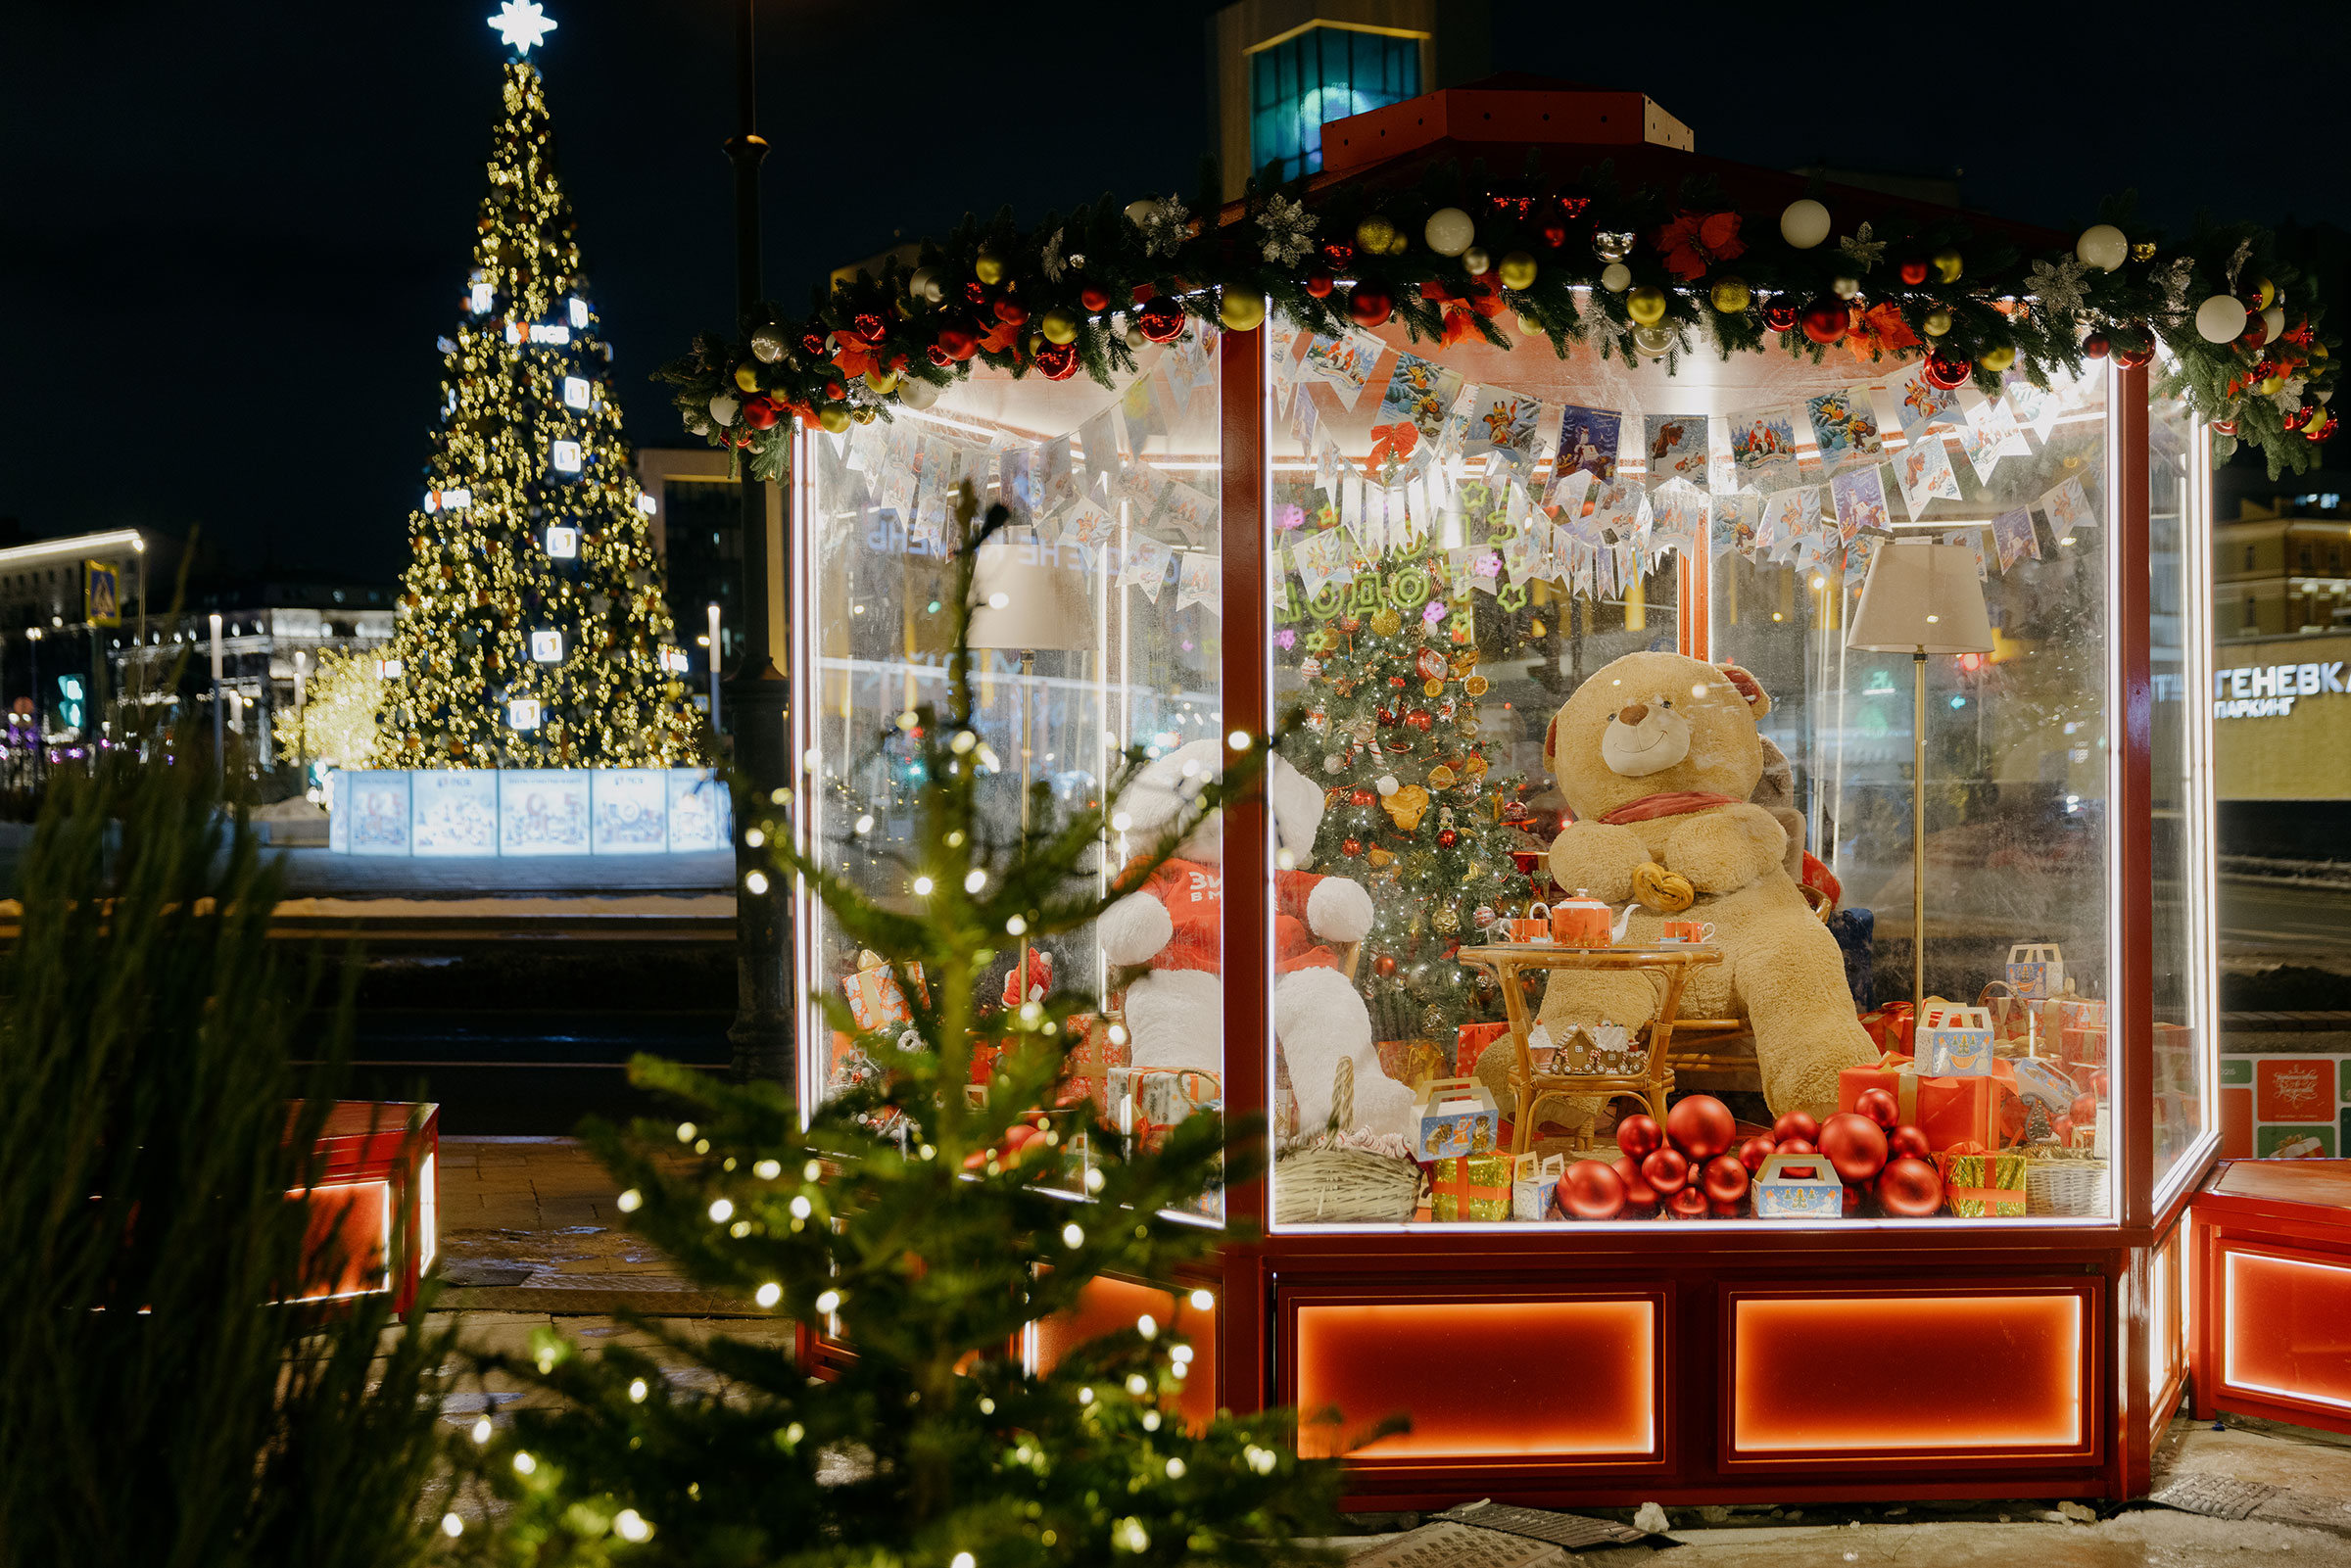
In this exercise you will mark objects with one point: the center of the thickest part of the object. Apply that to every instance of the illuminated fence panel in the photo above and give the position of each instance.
(465, 813)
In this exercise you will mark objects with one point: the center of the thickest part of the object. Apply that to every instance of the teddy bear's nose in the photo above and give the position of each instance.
(1632, 713)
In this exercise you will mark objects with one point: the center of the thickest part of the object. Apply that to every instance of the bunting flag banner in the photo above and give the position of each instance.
(2067, 507)
(1764, 447)
(1589, 438)
(1972, 538)
(1860, 497)
(1844, 425)
(1145, 565)
(1677, 445)
(2012, 537)
(1098, 437)
(1199, 580)
(1926, 475)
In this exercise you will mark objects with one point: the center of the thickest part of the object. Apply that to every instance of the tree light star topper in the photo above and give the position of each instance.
(522, 24)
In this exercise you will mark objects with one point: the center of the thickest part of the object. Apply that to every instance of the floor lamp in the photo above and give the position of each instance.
(1021, 603)
(1920, 597)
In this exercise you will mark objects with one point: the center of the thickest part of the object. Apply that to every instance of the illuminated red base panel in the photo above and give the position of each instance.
(1110, 1304)
(2288, 1330)
(1958, 1375)
(1574, 1378)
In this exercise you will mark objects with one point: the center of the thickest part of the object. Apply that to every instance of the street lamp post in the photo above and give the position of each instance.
(715, 647)
(219, 746)
(33, 648)
(757, 692)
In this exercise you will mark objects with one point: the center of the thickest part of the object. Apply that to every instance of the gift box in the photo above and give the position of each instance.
(1534, 1182)
(1799, 1187)
(1889, 1025)
(1470, 1187)
(1150, 1100)
(874, 1000)
(1978, 1184)
(1978, 1107)
(1096, 1045)
(2084, 1046)
(1453, 1117)
(1413, 1062)
(1952, 1040)
(2036, 969)
(1471, 1043)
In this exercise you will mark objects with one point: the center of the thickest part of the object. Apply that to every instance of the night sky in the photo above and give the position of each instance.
(231, 232)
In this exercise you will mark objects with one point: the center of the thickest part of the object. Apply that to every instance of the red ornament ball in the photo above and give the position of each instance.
(1012, 311)
(1319, 284)
(2084, 1110)
(2096, 345)
(1666, 1170)
(957, 344)
(1058, 360)
(1915, 272)
(1420, 719)
(1638, 1193)
(1907, 1142)
(1948, 371)
(1388, 717)
(1726, 1211)
(2257, 330)
(1362, 797)
(1094, 299)
(1852, 1200)
(1350, 847)
(1757, 1150)
(1854, 1145)
(1826, 320)
(1338, 253)
(2135, 356)
(1688, 1204)
(1724, 1180)
(1447, 838)
(758, 413)
(1880, 1107)
(1796, 1124)
(1555, 233)
(1701, 1127)
(1592, 1189)
(1162, 320)
(938, 356)
(1368, 304)
(1385, 965)
(1795, 1145)
(1639, 1136)
(1909, 1189)
(1780, 317)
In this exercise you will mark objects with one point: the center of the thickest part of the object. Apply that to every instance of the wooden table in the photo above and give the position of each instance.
(1667, 969)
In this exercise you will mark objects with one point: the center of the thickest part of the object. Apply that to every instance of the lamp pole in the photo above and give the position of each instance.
(714, 664)
(220, 746)
(757, 692)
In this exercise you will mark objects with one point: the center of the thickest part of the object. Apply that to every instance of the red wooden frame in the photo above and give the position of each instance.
(2269, 1227)
(397, 1144)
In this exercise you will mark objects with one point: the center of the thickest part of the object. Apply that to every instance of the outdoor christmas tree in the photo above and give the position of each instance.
(532, 626)
(1390, 711)
(926, 1224)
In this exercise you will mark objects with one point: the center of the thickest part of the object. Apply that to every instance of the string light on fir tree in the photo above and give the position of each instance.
(551, 551)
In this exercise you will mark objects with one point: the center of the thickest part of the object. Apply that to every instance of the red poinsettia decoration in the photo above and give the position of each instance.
(1482, 296)
(1879, 330)
(1695, 240)
(1002, 338)
(853, 357)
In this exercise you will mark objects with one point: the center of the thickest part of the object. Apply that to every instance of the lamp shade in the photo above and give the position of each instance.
(1921, 597)
(1020, 602)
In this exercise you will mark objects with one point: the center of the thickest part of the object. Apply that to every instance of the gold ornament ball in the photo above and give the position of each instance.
(834, 417)
(2264, 294)
(1947, 265)
(1937, 321)
(1058, 325)
(1375, 234)
(1517, 270)
(1241, 312)
(1530, 326)
(1646, 305)
(989, 270)
(747, 377)
(1615, 277)
(1996, 358)
(1731, 294)
(2142, 251)
(884, 381)
(1477, 263)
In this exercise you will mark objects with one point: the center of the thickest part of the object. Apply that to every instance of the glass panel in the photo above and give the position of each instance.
(1107, 635)
(2179, 492)
(1320, 75)
(1495, 576)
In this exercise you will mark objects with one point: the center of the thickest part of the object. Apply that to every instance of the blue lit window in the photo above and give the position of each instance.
(1323, 73)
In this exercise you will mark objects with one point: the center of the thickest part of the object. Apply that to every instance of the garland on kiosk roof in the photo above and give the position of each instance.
(1640, 275)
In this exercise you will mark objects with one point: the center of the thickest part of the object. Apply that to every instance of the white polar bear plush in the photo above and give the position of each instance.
(1173, 924)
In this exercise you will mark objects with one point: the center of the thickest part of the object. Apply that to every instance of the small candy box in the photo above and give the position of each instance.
(1533, 926)
(1453, 1117)
(1953, 1040)
(1799, 1187)
(1534, 1181)
(2035, 970)
(2039, 1078)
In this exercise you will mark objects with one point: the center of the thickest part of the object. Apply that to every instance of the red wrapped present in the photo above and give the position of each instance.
(2082, 1045)
(1889, 1025)
(1980, 1109)
(1472, 1043)
(874, 1000)
(1411, 1061)
(1096, 1045)
(1886, 1073)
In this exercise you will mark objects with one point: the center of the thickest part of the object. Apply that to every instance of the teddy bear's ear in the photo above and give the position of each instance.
(1758, 700)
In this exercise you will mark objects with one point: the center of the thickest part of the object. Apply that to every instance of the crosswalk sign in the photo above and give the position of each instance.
(102, 586)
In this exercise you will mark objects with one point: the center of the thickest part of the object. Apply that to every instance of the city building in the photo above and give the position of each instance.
(2280, 567)
(1280, 69)
(698, 531)
(50, 591)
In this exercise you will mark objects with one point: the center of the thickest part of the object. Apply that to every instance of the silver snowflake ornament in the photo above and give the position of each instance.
(1860, 250)
(1049, 262)
(2058, 288)
(1165, 226)
(1289, 231)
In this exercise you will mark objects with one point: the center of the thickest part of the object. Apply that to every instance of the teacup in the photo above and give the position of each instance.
(1688, 930)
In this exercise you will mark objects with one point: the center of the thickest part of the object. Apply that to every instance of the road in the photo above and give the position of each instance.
(2295, 924)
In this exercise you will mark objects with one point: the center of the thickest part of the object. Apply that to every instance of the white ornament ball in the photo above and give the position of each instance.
(2220, 318)
(1615, 277)
(1449, 231)
(1135, 338)
(927, 286)
(1141, 210)
(1846, 288)
(2102, 246)
(1477, 263)
(767, 345)
(916, 392)
(724, 407)
(1804, 224)
(1655, 341)
(2273, 318)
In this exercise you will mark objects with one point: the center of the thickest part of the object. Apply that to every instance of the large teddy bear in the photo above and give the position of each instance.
(1658, 757)
(1172, 922)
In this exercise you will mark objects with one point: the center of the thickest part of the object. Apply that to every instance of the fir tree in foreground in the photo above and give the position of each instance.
(901, 1216)
(532, 630)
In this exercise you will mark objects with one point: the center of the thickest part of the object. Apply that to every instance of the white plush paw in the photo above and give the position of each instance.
(1338, 910)
(1133, 928)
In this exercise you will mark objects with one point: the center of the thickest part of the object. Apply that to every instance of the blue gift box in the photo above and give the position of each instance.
(1799, 1187)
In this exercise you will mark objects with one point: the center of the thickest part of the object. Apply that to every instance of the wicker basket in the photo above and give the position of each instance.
(1323, 1180)
(2067, 1189)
